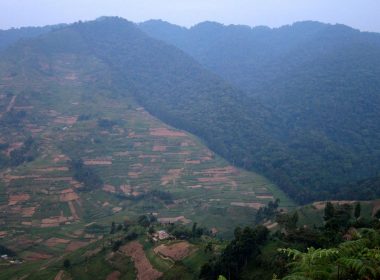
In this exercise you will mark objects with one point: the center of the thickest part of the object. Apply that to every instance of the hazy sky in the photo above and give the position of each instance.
(361, 14)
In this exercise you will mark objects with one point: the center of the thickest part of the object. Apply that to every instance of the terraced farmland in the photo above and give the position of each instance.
(145, 166)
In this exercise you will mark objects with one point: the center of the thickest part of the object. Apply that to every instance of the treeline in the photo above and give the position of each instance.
(245, 245)
(345, 247)
(26, 153)
(85, 175)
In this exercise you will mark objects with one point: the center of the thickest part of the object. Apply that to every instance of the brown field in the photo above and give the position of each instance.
(51, 169)
(145, 270)
(114, 275)
(122, 154)
(176, 251)
(53, 242)
(254, 205)
(181, 219)
(193, 162)
(164, 132)
(68, 195)
(66, 120)
(28, 212)
(53, 221)
(109, 188)
(173, 174)
(376, 207)
(35, 256)
(126, 189)
(265, 196)
(98, 162)
(57, 179)
(16, 198)
(75, 245)
(134, 175)
(159, 148)
(59, 158)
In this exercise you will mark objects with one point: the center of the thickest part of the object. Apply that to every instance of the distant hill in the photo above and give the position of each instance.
(321, 83)
(11, 36)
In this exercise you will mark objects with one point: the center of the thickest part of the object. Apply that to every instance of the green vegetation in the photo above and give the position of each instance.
(313, 129)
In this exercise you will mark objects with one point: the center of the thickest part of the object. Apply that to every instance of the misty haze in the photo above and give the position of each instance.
(189, 140)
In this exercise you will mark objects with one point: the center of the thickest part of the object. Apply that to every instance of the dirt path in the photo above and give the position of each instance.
(73, 210)
(11, 104)
(145, 270)
(59, 275)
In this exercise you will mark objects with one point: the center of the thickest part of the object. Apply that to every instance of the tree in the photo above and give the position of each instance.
(66, 264)
(329, 211)
(113, 228)
(194, 230)
(357, 210)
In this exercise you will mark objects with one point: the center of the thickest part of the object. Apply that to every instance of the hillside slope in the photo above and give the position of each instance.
(319, 80)
(77, 148)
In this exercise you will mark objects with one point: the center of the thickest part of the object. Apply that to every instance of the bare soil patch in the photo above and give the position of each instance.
(193, 162)
(254, 205)
(53, 242)
(176, 251)
(126, 189)
(134, 175)
(60, 158)
(59, 275)
(53, 221)
(114, 275)
(173, 174)
(35, 256)
(122, 154)
(66, 120)
(54, 179)
(145, 270)
(16, 198)
(159, 148)
(376, 207)
(98, 162)
(164, 132)
(68, 195)
(171, 220)
(28, 212)
(75, 245)
(109, 188)
(265, 196)
(52, 169)
(73, 210)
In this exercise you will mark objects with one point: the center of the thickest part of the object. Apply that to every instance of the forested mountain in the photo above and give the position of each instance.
(319, 80)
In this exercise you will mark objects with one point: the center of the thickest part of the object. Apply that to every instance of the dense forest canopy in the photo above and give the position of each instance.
(319, 80)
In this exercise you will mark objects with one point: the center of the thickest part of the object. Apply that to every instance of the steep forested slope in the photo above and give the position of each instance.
(319, 80)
